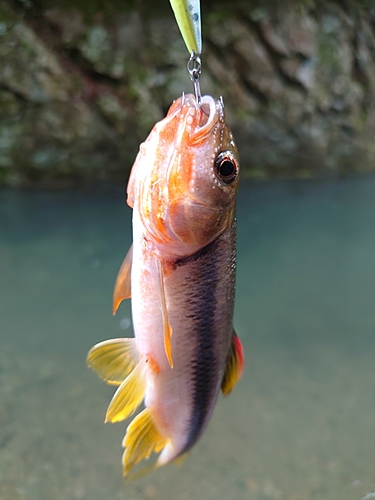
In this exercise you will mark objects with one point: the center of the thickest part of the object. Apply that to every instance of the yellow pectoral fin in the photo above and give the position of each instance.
(166, 325)
(128, 396)
(141, 439)
(234, 367)
(123, 282)
(113, 359)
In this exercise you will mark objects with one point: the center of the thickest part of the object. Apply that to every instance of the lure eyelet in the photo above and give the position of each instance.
(226, 167)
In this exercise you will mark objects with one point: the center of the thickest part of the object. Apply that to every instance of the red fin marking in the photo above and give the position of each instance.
(238, 347)
(234, 367)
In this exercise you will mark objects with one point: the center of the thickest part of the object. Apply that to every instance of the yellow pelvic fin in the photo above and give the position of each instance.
(128, 396)
(113, 359)
(141, 439)
(234, 367)
(166, 325)
(123, 281)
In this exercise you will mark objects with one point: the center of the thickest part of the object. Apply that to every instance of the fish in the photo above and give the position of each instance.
(180, 276)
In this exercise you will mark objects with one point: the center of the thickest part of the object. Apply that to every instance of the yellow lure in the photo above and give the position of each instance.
(188, 17)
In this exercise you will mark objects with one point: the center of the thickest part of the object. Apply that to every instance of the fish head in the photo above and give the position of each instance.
(184, 181)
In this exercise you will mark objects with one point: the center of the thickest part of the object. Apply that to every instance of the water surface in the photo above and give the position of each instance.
(300, 425)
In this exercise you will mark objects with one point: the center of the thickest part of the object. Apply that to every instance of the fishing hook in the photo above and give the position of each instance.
(194, 67)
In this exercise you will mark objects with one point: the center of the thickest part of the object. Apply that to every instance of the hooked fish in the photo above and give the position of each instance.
(180, 274)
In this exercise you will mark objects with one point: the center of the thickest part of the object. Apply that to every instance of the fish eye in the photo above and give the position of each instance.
(226, 167)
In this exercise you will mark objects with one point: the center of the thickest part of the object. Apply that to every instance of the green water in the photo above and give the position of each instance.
(301, 423)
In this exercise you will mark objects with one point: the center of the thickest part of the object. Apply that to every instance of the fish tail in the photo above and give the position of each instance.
(117, 362)
(141, 439)
(151, 467)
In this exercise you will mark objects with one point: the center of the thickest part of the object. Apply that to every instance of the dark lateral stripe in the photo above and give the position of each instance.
(201, 313)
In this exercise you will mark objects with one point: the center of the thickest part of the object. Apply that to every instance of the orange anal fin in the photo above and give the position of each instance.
(123, 281)
(234, 367)
(167, 329)
(128, 396)
(113, 359)
(141, 439)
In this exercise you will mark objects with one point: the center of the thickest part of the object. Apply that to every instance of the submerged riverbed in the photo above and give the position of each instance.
(300, 425)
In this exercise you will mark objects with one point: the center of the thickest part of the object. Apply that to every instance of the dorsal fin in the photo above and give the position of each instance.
(141, 439)
(234, 367)
(123, 281)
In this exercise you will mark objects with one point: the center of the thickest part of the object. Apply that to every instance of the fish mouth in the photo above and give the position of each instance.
(195, 119)
(207, 113)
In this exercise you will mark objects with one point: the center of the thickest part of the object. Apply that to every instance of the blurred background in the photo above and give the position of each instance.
(81, 85)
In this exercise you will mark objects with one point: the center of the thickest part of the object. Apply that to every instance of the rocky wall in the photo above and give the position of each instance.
(82, 83)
